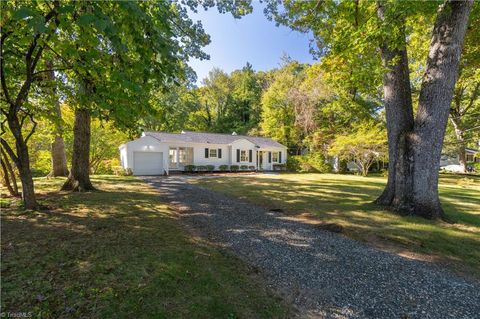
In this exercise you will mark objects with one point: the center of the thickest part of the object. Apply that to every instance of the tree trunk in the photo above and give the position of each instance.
(399, 115)
(79, 177)
(22, 160)
(6, 179)
(415, 145)
(59, 159)
(462, 160)
(9, 172)
(434, 104)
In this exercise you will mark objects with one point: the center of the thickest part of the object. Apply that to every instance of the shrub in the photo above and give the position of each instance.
(201, 168)
(243, 167)
(293, 163)
(313, 162)
(210, 168)
(189, 168)
(279, 167)
(223, 168)
(475, 166)
(234, 168)
(120, 171)
(252, 168)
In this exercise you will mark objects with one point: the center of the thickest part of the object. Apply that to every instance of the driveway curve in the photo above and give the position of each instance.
(325, 275)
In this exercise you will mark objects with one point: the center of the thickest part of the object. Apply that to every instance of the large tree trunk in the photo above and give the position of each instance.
(79, 178)
(415, 145)
(59, 159)
(434, 104)
(399, 115)
(459, 134)
(22, 160)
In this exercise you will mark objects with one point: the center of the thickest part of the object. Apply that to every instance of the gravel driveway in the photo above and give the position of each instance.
(324, 274)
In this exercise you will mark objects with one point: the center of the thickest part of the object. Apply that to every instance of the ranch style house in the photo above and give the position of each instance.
(159, 153)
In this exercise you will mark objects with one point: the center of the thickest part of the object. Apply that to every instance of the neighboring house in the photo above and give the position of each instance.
(158, 153)
(471, 155)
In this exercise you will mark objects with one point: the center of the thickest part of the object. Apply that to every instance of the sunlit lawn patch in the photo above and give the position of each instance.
(120, 253)
(347, 200)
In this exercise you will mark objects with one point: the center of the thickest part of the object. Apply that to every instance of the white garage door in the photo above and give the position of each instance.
(148, 163)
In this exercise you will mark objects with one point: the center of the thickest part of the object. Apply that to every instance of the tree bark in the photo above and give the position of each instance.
(415, 145)
(79, 177)
(399, 116)
(59, 159)
(434, 104)
(6, 179)
(21, 160)
(9, 172)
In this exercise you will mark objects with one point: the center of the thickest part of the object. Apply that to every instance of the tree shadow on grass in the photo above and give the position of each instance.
(120, 253)
(349, 203)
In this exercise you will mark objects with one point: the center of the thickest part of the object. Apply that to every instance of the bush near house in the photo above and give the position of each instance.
(189, 168)
(210, 168)
(234, 168)
(475, 166)
(243, 167)
(279, 167)
(311, 163)
(201, 168)
(252, 168)
(223, 168)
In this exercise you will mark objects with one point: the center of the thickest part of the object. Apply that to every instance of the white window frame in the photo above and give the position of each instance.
(274, 157)
(214, 154)
(243, 156)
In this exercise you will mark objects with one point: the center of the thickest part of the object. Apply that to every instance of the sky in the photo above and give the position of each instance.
(253, 38)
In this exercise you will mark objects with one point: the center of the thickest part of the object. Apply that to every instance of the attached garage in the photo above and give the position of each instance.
(145, 156)
(148, 163)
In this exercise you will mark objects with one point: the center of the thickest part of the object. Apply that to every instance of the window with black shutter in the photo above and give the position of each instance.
(219, 153)
(250, 155)
(280, 157)
(269, 157)
(206, 152)
(238, 155)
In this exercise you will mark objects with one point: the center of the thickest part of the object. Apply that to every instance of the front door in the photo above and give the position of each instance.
(260, 160)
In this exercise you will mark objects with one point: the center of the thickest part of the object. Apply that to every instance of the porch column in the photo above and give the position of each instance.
(178, 157)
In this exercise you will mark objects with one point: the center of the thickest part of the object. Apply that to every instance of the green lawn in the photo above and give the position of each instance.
(347, 200)
(120, 253)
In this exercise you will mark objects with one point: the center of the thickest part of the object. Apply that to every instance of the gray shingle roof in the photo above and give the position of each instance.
(212, 138)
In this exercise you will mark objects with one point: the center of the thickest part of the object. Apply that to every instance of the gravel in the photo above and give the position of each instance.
(325, 275)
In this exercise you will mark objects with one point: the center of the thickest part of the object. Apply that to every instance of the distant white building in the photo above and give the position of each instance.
(471, 155)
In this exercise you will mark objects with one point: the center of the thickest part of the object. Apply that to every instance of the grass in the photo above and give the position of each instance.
(346, 200)
(120, 253)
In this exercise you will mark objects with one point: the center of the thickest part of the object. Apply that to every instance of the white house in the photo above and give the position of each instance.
(158, 153)
(471, 155)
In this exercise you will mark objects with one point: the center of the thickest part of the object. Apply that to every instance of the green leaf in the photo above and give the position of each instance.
(23, 13)
(86, 19)
(38, 24)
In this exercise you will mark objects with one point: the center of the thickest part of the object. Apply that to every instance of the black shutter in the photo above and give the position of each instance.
(269, 157)
(280, 157)
(206, 152)
(238, 155)
(219, 153)
(250, 155)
